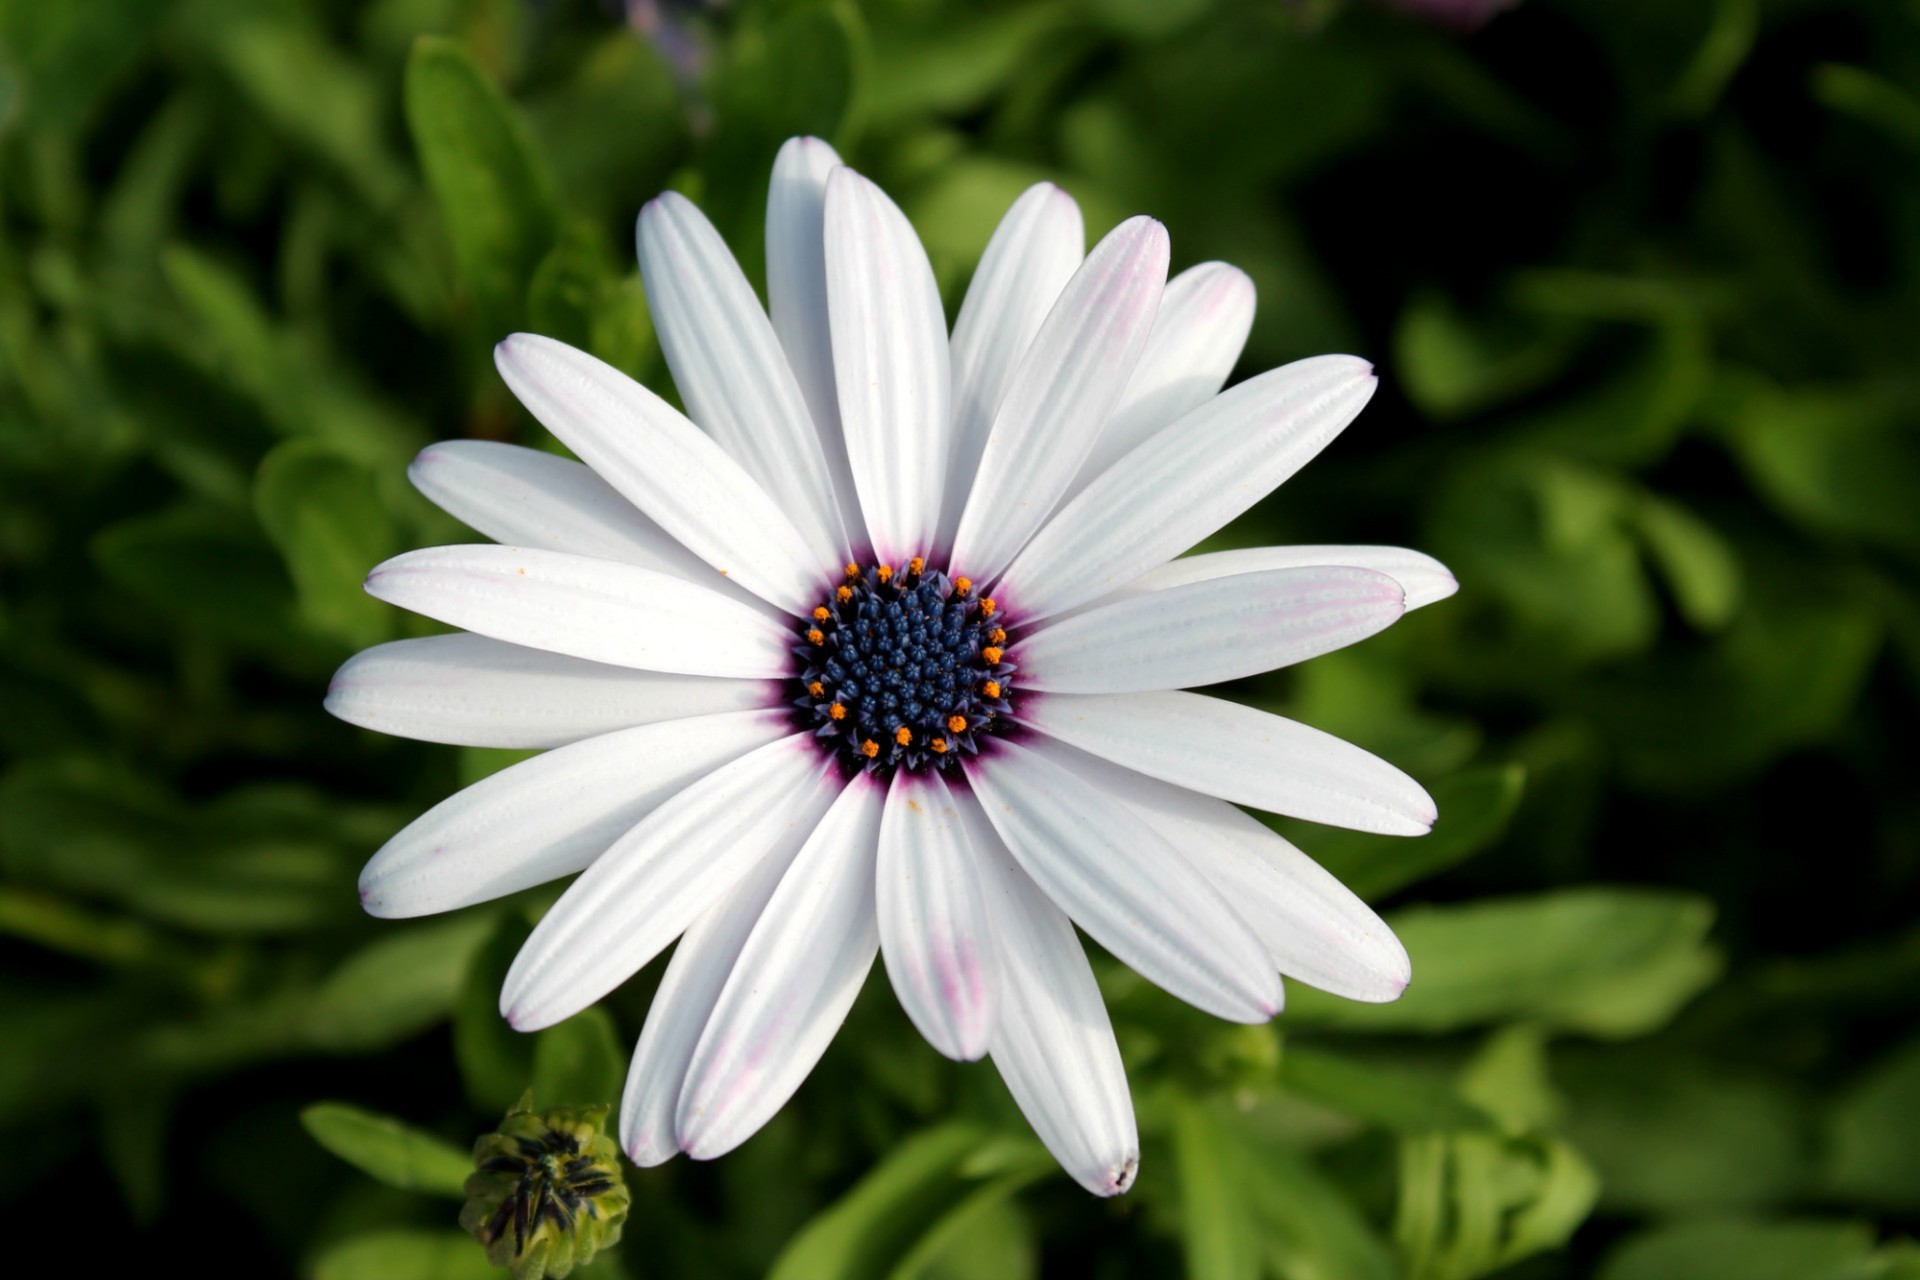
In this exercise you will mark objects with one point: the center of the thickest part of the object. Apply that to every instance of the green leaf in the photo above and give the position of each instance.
(496, 1062)
(1606, 962)
(324, 514)
(68, 56)
(951, 65)
(397, 987)
(405, 1254)
(1681, 1135)
(394, 1152)
(1871, 1155)
(1779, 1250)
(1398, 1100)
(1217, 1227)
(1453, 366)
(870, 1230)
(1475, 805)
(495, 196)
(1472, 1204)
(203, 568)
(1700, 568)
(1310, 1227)
(580, 1062)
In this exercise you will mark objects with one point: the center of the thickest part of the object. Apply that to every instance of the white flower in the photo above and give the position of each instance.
(755, 751)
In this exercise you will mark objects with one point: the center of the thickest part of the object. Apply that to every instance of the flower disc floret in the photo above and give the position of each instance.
(903, 669)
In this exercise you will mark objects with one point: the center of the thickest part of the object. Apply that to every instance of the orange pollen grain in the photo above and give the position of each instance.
(991, 688)
(992, 654)
(884, 573)
(850, 569)
(997, 636)
(903, 735)
(963, 585)
(939, 746)
(817, 689)
(816, 635)
(869, 748)
(958, 724)
(987, 606)
(836, 712)
(916, 565)
(843, 594)
(820, 614)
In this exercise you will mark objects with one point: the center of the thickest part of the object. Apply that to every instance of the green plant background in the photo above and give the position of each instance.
(1643, 278)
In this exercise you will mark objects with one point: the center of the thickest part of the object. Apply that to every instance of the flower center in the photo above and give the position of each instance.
(903, 670)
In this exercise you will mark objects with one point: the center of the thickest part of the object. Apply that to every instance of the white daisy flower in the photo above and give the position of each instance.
(879, 650)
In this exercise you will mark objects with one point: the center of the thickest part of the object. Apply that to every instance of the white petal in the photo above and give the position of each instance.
(1313, 926)
(1052, 1041)
(1186, 482)
(732, 374)
(1197, 338)
(664, 465)
(1034, 251)
(934, 931)
(1061, 394)
(530, 498)
(681, 1007)
(473, 691)
(797, 976)
(1206, 632)
(1122, 883)
(662, 876)
(797, 299)
(601, 610)
(1237, 753)
(890, 365)
(1424, 579)
(552, 815)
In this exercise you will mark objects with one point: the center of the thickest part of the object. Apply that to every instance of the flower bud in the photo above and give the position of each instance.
(546, 1194)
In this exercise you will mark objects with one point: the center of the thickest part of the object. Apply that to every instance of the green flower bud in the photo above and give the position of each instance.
(547, 1193)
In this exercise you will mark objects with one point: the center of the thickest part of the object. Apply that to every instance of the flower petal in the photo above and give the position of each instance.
(934, 931)
(1186, 482)
(473, 691)
(601, 610)
(1136, 894)
(796, 977)
(732, 374)
(1052, 1040)
(1205, 632)
(664, 465)
(552, 815)
(1034, 251)
(662, 876)
(797, 299)
(1061, 393)
(1424, 579)
(530, 498)
(1313, 926)
(1198, 335)
(890, 365)
(681, 1007)
(1250, 757)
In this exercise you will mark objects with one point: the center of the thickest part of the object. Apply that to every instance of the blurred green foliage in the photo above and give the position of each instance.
(1644, 280)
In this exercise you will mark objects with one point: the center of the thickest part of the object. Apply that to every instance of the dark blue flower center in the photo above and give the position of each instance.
(903, 670)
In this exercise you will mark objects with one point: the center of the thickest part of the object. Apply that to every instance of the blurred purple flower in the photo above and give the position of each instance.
(1458, 13)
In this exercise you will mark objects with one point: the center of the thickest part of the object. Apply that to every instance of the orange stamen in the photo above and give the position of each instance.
(963, 585)
(884, 573)
(869, 748)
(987, 606)
(958, 724)
(997, 636)
(939, 746)
(916, 565)
(837, 712)
(851, 569)
(816, 635)
(991, 688)
(843, 594)
(903, 736)
(817, 690)
(821, 614)
(992, 654)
